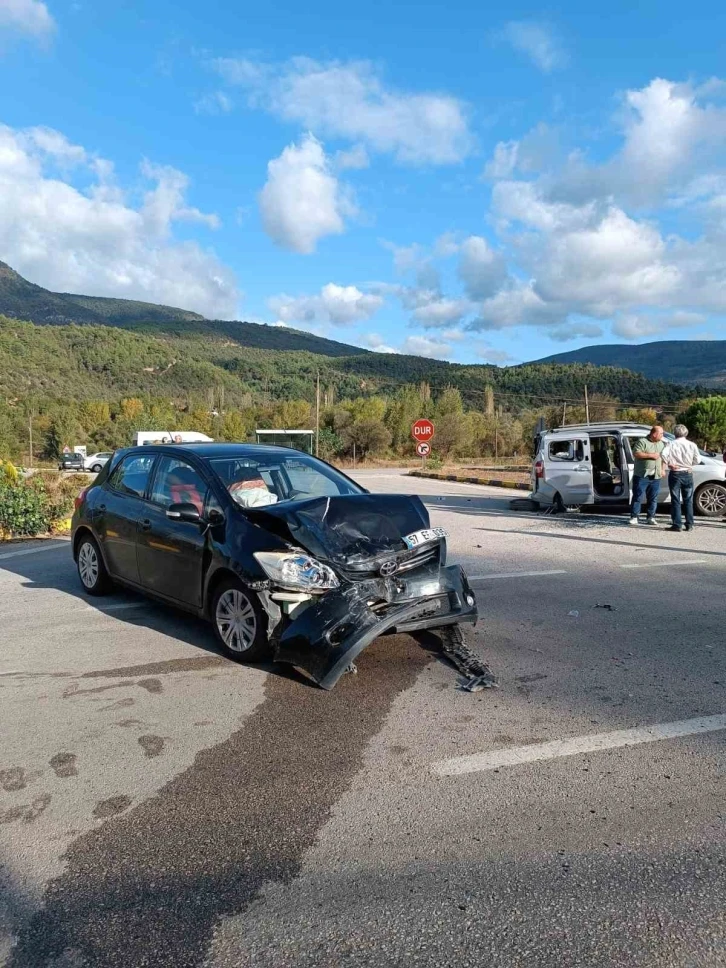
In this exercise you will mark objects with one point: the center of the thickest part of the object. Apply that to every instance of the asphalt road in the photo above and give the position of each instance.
(162, 806)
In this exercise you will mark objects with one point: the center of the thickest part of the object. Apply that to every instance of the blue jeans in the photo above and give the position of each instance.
(647, 487)
(680, 484)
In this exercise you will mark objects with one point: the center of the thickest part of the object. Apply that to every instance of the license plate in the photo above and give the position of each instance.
(424, 536)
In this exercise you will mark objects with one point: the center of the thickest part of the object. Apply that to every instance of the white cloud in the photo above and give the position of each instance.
(338, 305)
(433, 349)
(481, 269)
(446, 245)
(632, 326)
(26, 16)
(302, 200)
(216, 102)
(350, 100)
(441, 311)
(376, 343)
(538, 41)
(575, 330)
(355, 158)
(99, 240)
(488, 354)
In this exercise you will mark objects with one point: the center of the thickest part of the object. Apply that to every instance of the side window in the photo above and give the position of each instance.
(567, 450)
(177, 482)
(132, 475)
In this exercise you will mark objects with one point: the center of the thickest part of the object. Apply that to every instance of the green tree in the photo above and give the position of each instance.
(706, 420)
(329, 443)
(234, 427)
(371, 437)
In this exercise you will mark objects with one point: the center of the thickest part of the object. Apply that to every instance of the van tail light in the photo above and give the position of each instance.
(539, 469)
(79, 499)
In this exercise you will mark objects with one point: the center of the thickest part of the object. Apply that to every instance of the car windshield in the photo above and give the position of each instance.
(256, 483)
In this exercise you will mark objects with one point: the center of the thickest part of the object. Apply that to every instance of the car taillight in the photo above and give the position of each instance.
(79, 500)
(539, 469)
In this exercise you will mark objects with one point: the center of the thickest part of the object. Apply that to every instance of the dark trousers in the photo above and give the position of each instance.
(680, 484)
(647, 487)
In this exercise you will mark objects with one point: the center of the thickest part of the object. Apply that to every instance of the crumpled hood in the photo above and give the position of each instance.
(347, 529)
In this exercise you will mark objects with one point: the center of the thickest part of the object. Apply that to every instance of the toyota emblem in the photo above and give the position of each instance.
(388, 568)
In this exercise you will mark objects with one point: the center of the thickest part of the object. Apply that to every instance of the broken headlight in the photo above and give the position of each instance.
(297, 570)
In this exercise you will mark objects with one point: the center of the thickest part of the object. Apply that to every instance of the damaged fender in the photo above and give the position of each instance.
(328, 635)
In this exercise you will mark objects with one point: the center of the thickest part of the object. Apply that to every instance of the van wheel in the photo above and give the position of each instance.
(710, 500)
(240, 623)
(562, 508)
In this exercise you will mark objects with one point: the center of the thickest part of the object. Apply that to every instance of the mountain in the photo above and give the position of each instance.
(72, 362)
(68, 346)
(20, 299)
(680, 361)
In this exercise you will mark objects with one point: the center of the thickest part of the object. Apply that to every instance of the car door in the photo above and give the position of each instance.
(170, 552)
(115, 514)
(568, 468)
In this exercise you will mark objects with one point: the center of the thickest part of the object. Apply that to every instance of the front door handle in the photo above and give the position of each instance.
(101, 507)
(146, 525)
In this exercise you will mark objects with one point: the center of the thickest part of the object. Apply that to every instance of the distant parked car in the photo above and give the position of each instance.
(71, 462)
(96, 462)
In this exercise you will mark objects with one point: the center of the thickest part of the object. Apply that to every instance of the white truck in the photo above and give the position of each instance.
(169, 437)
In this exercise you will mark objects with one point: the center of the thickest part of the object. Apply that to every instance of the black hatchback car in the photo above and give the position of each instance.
(285, 555)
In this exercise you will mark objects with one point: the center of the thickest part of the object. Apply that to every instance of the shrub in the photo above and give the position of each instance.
(35, 506)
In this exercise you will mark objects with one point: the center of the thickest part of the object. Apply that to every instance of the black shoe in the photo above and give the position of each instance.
(689, 527)
(674, 527)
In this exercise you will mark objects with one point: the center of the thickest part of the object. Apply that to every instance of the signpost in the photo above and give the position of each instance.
(422, 432)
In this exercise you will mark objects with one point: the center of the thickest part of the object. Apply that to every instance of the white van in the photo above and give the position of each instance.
(169, 437)
(593, 464)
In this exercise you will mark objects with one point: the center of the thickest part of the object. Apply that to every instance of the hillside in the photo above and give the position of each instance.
(103, 362)
(20, 299)
(681, 361)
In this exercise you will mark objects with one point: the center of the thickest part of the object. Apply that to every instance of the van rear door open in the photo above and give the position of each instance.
(568, 468)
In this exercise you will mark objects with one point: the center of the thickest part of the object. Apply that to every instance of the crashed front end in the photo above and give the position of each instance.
(383, 570)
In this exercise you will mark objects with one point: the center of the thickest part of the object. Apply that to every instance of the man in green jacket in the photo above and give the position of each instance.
(647, 474)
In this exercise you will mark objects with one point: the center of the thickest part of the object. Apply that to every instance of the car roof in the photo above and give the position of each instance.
(609, 425)
(223, 450)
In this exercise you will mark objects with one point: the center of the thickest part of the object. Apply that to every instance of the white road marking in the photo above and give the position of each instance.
(34, 551)
(665, 564)
(480, 762)
(517, 574)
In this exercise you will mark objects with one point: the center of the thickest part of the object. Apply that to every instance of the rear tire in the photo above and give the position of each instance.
(97, 468)
(240, 622)
(91, 569)
(710, 500)
(562, 508)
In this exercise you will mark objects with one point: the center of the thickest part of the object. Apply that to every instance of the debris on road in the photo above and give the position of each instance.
(609, 608)
(476, 672)
(574, 613)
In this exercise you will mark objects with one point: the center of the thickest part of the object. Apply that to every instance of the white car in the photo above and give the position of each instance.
(96, 462)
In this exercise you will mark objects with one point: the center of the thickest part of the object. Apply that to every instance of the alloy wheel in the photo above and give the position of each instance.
(712, 500)
(88, 567)
(236, 620)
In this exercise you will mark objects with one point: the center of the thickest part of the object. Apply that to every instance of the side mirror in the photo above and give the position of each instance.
(184, 512)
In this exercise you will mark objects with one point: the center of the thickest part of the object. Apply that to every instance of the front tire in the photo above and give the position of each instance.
(240, 623)
(710, 500)
(97, 468)
(91, 569)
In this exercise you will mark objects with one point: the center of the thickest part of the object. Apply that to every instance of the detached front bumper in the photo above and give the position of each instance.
(328, 635)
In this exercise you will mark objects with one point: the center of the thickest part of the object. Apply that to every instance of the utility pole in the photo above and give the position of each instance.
(587, 407)
(30, 428)
(564, 412)
(317, 414)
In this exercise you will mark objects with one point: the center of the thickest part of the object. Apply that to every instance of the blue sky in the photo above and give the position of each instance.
(473, 182)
